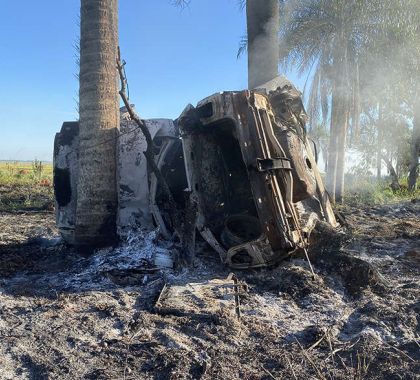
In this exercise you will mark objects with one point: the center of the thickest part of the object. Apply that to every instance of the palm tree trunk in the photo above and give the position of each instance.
(341, 152)
(99, 123)
(344, 114)
(415, 150)
(332, 149)
(337, 146)
(338, 113)
(379, 145)
(356, 107)
(263, 20)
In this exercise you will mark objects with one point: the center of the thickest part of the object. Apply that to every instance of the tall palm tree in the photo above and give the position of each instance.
(263, 48)
(99, 123)
(330, 39)
(320, 36)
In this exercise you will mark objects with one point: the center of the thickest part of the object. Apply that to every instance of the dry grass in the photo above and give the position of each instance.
(26, 186)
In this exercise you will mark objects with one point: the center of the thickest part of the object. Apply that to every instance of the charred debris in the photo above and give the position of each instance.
(240, 167)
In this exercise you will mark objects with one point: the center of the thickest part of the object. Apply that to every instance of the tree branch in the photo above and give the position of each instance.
(149, 153)
(182, 221)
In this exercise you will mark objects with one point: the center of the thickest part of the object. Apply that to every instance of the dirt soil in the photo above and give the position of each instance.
(70, 315)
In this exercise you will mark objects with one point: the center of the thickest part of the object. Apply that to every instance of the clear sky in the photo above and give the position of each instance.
(174, 57)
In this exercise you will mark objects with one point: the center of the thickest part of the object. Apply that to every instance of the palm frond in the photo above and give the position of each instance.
(243, 46)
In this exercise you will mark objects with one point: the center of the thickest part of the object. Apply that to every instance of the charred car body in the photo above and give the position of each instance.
(243, 157)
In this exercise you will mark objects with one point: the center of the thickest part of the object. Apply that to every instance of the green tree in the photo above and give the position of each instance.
(395, 57)
(321, 36)
(409, 64)
(332, 40)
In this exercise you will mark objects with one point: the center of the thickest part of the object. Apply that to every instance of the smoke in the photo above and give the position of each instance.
(361, 58)
(263, 48)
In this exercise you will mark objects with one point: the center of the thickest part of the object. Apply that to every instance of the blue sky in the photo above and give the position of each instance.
(174, 57)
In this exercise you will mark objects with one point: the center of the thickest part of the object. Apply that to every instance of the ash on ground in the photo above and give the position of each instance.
(69, 315)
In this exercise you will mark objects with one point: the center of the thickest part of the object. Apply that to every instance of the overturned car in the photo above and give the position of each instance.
(245, 160)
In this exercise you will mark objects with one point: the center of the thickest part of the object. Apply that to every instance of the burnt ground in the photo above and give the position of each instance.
(65, 315)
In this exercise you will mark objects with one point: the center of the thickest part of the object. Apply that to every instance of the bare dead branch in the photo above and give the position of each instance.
(183, 221)
(149, 153)
(181, 3)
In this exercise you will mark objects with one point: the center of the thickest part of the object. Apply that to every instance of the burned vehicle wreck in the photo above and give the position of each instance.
(251, 169)
(245, 160)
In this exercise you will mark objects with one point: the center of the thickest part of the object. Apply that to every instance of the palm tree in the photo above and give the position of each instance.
(415, 149)
(263, 48)
(330, 39)
(396, 59)
(320, 36)
(99, 123)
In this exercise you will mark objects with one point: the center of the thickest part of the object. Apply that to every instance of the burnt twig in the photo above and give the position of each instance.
(179, 220)
(311, 362)
(237, 287)
(268, 372)
(149, 153)
(291, 367)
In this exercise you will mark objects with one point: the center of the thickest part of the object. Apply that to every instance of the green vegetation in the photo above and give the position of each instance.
(26, 186)
(368, 191)
(362, 64)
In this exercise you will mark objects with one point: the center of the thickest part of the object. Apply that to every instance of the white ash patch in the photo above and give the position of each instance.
(138, 248)
(327, 310)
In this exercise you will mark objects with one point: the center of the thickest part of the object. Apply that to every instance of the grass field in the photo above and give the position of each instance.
(26, 186)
